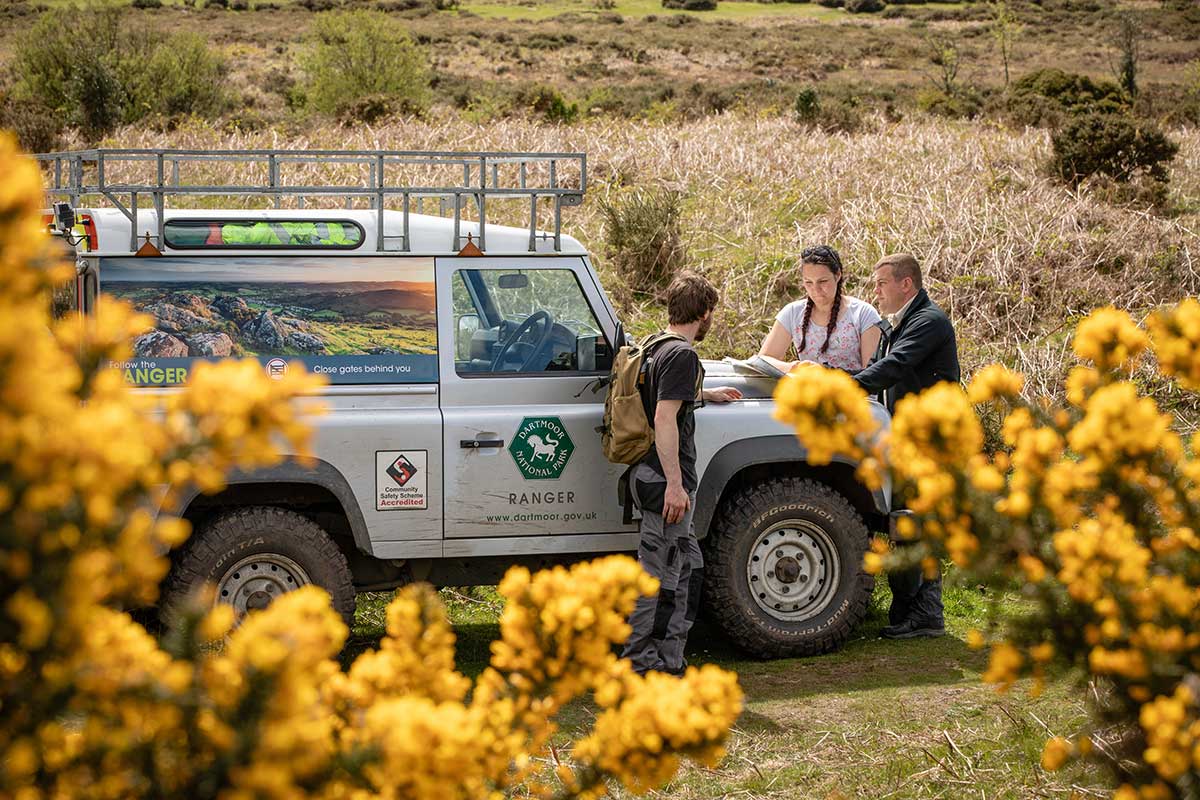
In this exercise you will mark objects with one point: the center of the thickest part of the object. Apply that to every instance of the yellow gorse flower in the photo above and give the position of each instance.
(828, 410)
(1092, 509)
(1109, 339)
(95, 707)
(1176, 336)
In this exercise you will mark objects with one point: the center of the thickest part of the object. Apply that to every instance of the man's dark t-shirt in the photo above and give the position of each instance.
(675, 374)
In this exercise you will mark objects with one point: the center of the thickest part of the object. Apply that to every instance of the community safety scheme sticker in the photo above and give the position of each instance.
(401, 480)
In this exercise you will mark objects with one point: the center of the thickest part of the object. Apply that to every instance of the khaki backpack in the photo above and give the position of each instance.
(627, 434)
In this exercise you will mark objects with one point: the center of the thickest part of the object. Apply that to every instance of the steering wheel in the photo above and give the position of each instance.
(545, 319)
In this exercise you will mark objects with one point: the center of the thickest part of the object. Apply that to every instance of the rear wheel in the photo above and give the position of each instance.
(784, 572)
(254, 555)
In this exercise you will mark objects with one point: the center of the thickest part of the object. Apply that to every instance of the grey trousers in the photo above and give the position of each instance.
(671, 554)
(915, 596)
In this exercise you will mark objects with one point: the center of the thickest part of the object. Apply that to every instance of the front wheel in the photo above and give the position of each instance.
(253, 555)
(784, 573)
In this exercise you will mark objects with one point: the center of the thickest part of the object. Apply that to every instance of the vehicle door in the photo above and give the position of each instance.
(521, 400)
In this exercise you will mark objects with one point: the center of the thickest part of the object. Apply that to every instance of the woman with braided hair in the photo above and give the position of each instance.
(828, 326)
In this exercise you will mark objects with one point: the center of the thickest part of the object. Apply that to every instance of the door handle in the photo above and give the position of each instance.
(476, 444)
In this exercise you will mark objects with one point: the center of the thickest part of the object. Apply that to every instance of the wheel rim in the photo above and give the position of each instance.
(793, 570)
(255, 581)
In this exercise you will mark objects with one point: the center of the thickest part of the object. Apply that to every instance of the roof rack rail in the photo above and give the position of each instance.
(377, 175)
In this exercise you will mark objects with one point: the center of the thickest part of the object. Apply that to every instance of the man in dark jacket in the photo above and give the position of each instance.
(917, 350)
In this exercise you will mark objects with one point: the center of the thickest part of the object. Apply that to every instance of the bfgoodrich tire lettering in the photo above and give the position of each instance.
(823, 526)
(262, 551)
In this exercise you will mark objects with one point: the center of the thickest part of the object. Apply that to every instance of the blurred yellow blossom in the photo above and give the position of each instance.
(1091, 510)
(94, 706)
(828, 410)
(1109, 339)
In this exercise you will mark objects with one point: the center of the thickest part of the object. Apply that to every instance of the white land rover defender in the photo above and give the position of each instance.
(462, 360)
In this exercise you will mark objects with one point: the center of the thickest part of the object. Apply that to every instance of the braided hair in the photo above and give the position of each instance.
(826, 256)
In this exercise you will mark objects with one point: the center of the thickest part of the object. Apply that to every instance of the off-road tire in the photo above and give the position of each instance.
(738, 529)
(278, 537)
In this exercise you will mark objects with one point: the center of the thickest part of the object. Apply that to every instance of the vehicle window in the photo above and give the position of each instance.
(336, 234)
(353, 320)
(522, 321)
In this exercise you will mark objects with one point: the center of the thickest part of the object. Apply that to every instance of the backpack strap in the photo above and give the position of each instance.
(625, 495)
(648, 345)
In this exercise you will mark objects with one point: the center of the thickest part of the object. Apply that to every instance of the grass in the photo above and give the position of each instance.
(876, 719)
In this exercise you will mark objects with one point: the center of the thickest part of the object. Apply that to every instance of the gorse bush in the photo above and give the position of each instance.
(807, 105)
(97, 70)
(1050, 97)
(95, 707)
(1091, 508)
(1114, 145)
(548, 103)
(831, 115)
(67, 59)
(864, 6)
(358, 54)
(37, 127)
(1076, 94)
(182, 76)
(965, 103)
(642, 237)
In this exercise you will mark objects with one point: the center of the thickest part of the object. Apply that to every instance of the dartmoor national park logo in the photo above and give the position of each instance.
(541, 448)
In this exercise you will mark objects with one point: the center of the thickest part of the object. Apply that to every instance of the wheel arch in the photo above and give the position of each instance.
(747, 460)
(318, 489)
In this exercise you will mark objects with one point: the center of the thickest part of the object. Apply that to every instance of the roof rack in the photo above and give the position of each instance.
(379, 176)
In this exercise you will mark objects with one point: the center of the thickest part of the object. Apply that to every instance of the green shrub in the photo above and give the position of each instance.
(691, 5)
(550, 104)
(962, 104)
(37, 127)
(64, 60)
(642, 237)
(178, 76)
(97, 100)
(832, 115)
(1111, 145)
(808, 105)
(358, 54)
(864, 6)
(96, 70)
(831, 3)
(700, 99)
(146, 3)
(1048, 97)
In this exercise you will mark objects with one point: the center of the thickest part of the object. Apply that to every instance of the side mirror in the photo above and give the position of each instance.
(621, 339)
(466, 326)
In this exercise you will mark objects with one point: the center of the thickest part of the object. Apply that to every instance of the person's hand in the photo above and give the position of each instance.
(675, 503)
(722, 394)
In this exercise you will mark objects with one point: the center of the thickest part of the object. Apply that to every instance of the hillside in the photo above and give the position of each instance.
(493, 57)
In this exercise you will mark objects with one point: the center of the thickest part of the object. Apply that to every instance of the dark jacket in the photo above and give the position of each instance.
(920, 352)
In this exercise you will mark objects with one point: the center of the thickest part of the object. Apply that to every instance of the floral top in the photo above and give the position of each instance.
(845, 346)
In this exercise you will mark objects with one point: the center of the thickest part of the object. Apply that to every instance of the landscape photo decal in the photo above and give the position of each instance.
(353, 320)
